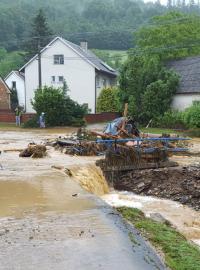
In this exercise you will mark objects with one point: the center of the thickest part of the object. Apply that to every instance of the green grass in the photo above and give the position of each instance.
(122, 54)
(193, 133)
(11, 61)
(179, 253)
(160, 131)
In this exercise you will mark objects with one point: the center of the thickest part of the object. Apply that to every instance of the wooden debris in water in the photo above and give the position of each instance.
(34, 151)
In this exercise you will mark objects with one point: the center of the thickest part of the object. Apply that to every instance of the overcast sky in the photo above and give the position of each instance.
(161, 1)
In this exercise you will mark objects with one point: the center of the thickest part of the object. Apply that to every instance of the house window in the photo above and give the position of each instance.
(98, 82)
(104, 83)
(53, 79)
(60, 79)
(13, 85)
(59, 59)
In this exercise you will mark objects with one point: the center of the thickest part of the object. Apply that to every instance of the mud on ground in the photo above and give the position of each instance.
(179, 184)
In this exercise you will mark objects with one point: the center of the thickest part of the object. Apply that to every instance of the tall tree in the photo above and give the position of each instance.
(173, 35)
(40, 35)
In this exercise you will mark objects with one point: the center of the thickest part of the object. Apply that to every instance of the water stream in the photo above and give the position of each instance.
(185, 219)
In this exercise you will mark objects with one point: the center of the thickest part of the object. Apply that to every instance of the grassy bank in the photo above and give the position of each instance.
(160, 131)
(178, 252)
(190, 132)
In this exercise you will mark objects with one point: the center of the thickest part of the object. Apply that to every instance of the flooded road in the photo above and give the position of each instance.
(47, 221)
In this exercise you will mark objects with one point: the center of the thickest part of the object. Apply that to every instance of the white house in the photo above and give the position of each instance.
(189, 87)
(16, 80)
(61, 60)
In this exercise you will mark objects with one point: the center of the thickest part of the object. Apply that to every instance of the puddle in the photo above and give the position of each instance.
(49, 193)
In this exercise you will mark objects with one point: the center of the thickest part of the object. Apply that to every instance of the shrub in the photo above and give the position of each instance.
(31, 123)
(191, 116)
(59, 109)
(170, 119)
(107, 100)
(156, 99)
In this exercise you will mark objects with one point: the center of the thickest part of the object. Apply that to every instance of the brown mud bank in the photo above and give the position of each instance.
(180, 184)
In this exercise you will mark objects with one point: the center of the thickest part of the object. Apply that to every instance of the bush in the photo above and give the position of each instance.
(170, 119)
(31, 123)
(156, 99)
(191, 116)
(59, 109)
(107, 100)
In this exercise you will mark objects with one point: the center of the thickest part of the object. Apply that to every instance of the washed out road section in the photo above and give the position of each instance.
(47, 221)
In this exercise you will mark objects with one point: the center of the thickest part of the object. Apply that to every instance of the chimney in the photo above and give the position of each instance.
(84, 45)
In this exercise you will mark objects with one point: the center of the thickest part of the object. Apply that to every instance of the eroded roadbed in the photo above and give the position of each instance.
(47, 221)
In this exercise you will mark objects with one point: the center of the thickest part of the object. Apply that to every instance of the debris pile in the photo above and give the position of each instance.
(34, 151)
(84, 142)
(79, 147)
(120, 157)
(179, 184)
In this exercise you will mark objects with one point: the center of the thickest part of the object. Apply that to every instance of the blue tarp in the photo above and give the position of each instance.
(112, 128)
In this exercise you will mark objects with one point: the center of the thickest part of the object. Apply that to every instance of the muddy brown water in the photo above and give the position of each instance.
(48, 222)
(44, 194)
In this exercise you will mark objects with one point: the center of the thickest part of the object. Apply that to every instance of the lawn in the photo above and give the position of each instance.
(122, 54)
(178, 252)
(160, 131)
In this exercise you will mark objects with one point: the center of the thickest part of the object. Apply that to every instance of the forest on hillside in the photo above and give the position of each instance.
(106, 24)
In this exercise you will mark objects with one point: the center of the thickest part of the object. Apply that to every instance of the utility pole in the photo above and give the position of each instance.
(39, 65)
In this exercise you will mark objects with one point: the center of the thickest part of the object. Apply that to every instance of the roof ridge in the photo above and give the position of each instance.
(94, 60)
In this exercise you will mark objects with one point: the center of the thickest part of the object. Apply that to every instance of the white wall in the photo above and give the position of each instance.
(20, 86)
(183, 101)
(79, 75)
(103, 81)
(31, 83)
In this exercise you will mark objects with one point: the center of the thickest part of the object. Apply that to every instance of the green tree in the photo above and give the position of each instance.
(3, 53)
(59, 110)
(147, 86)
(191, 115)
(65, 88)
(40, 34)
(105, 24)
(107, 100)
(156, 99)
(172, 35)
(10, 61)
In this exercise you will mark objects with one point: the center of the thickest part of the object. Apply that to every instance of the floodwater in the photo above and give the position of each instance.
(48, 222)
(44, 194)
(183, 218)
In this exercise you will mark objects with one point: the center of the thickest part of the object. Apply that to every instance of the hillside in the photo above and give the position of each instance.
(106, 24)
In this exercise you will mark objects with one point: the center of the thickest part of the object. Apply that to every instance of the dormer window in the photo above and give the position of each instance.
(58, 59)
